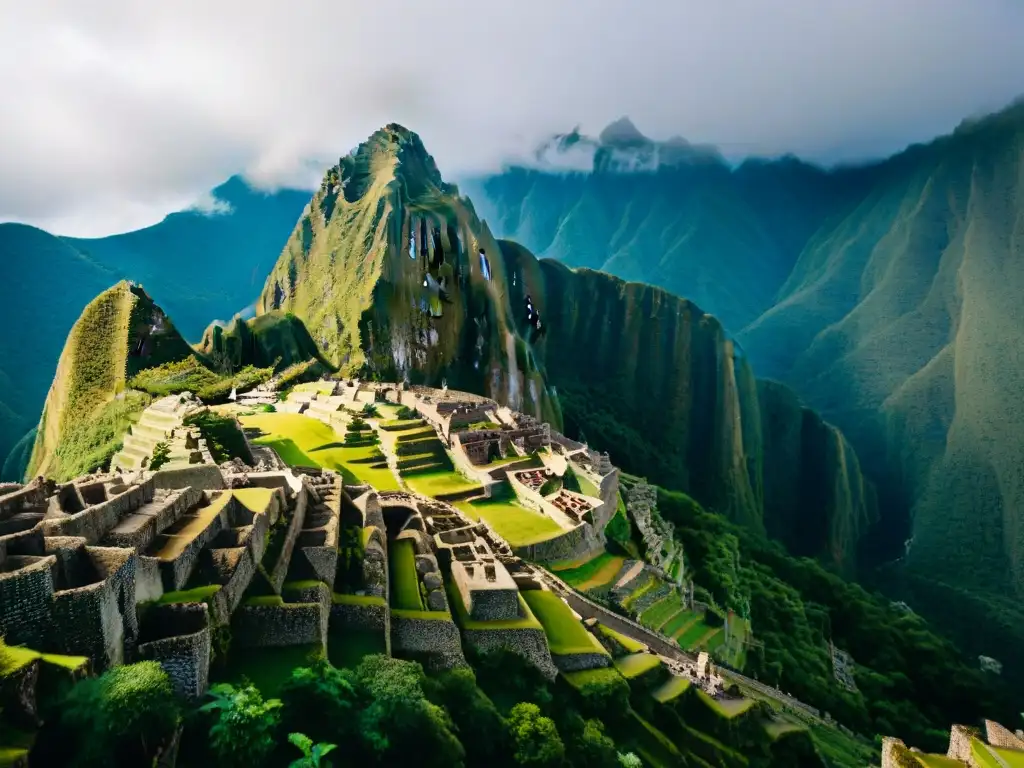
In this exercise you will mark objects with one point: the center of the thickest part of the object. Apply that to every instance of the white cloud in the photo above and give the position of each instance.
(115, 113)
(211, 205)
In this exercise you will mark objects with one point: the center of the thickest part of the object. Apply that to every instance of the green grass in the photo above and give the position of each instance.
(728, 708)
(592, 574)
(438, 483)
(222, 436)
(264, 600)
(300, 585)
(515, 523)
(653, 746)
(994, 757)
(941, 761)
(13, 657)
(663, 610)
(348, 647)
(777, 728)
(196, 595)
(581, 679)
(587, 488)
(14, 745)
(566, 635)
(312, 443)
(526, 620)
(840, 750)
(340, 599)
(692, 635)
(636, 664)
(671, 689)
(267, 668)
(679, 623)
(254, 499)
(401, 613)
(405, 583)
(631, 645)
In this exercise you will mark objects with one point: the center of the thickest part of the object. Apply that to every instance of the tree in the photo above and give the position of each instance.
(630, 760)
(321, 701)
(398, 724)
(593, 749)
(119, 718)
(536, 738)
(161, 455)
(481, 728)
(312, 754)
(243, 734)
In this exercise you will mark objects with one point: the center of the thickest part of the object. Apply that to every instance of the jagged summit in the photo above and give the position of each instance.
(623, 133)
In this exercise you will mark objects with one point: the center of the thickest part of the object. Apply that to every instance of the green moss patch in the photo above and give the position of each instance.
(405, 583)
(628, 643)
(566, 635)
(728, 708)
(636, 664)
(515, 523)
(340, 599)
(594, 573)
(671, 689)
(196, 595)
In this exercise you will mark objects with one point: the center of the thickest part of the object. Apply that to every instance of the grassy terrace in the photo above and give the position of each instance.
(14, 657)
(671, 689)
(600, 676)
(305, 441)
(405, 584)
(566, 635)
(515, 523)
(424, 463)
(631, 645)
(254, 499)
(526, 621)
(196, 595)
(991, 757)
(589, 574)
(728, 708)
(636, 664)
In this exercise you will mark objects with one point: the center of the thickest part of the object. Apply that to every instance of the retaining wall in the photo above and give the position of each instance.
(435, 639)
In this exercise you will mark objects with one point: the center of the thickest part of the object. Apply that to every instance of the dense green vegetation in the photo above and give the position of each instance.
(222, 436)
(912, 682)
(193, 375)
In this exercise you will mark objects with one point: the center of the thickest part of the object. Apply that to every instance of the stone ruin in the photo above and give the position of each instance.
(663, 551)
(968, 746)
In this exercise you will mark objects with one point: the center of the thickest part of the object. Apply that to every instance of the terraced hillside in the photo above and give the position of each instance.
(384, 269)
(89, 406)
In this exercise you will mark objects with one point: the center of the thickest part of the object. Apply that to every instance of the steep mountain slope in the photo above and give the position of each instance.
(200, 267)
(119, 333)
(654, 378)
(668, 214)
(45, 285)
(902, 322)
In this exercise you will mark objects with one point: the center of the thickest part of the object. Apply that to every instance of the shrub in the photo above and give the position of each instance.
(161, 455)
(243, 734)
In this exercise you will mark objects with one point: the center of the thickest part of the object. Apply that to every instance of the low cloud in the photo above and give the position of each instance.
(116, 113)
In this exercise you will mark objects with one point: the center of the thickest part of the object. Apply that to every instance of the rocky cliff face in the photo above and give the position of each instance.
(902, 323)
(384, 269)
(657, 382)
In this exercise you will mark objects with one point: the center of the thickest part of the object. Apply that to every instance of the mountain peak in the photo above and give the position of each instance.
(622, 132)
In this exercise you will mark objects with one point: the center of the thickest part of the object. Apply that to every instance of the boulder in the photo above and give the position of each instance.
(436, 601)
(432, 580)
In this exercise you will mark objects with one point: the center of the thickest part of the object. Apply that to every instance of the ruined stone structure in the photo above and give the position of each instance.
(162, 422)
(968, 746)
(663, 551)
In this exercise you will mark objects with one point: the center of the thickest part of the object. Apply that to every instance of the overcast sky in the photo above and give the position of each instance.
(113, 114)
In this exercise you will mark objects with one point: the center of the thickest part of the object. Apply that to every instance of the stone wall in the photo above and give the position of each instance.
(531, 644)
(998, 736)
(178, 637)
(280, 571)
(177, 572)
(94, 522)
(282, 625)
(960, 737)
(231, 592)
(365, 617)
(26, 598)
(436, 640)
(90, 624)
(576, 542)
(205, 477)
(578, 662)
(167, 510)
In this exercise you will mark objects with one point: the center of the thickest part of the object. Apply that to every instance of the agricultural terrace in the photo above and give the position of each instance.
(566, 635)
(518, 525)
(405, 584)
(304, 441)
(423, 461)
(591, 573)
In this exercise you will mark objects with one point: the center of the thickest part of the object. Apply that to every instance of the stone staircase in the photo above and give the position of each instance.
(162, 422)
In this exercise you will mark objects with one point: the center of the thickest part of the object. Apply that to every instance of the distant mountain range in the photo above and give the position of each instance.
(197, 266)
(887, 296)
